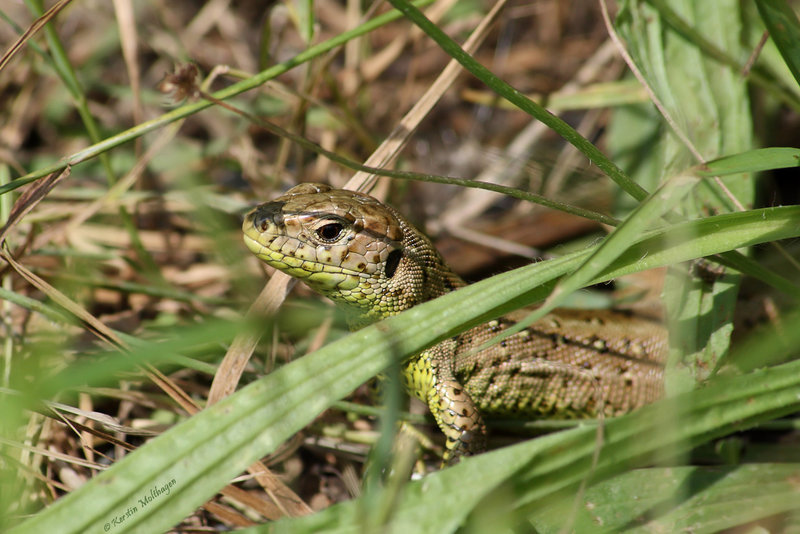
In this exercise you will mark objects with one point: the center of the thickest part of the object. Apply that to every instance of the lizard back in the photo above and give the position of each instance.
(565, 365)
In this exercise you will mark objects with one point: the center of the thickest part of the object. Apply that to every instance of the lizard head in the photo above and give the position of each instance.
(349, 247)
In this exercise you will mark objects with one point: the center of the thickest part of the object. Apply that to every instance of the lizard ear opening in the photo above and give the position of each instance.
(392, 261)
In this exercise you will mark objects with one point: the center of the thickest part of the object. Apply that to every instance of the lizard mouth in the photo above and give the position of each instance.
(321, 276)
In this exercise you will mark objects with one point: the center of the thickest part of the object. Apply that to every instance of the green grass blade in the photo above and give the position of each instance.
(659, 203)
(752, 161)
(693, 35)
(519, 100)
(63, 67)
(784, 28)
(678, 48)
(717, 498)
(532, 476)
(205, 452)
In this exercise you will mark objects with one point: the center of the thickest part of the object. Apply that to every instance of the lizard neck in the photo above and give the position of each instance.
(414, 274)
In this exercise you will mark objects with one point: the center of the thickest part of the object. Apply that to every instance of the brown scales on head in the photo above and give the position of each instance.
(349, 247)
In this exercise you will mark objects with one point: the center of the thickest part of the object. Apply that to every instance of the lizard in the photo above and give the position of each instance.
(367, 258)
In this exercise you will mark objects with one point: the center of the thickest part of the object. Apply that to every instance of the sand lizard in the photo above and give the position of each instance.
(371, 261)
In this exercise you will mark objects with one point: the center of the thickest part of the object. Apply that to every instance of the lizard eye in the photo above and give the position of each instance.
(330, 231)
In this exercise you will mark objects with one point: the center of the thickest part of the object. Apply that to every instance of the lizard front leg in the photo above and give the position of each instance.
(430, 377)
(458, 418)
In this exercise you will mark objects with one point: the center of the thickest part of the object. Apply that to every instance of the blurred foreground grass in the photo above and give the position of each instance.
(132, 281)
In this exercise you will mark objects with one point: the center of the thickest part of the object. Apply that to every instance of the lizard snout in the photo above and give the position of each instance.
(264, 216)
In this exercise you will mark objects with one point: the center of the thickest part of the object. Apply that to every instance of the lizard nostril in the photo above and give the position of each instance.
(260, 222)
(266, 215)
(258, 219)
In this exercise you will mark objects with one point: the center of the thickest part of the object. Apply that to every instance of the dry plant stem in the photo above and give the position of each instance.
(494, 242)
(30, 198)
(227, 516)
(273, 294)
(230, 370)
(66, 458)
(126, 22)
(99, 329)
(352, 54)
(322, 334)
(754, 56)
(127, 181)
(470, 203)
(639, 76)
(37, 25)
(105, 421)
(227, 378)
(372, 67)
(385, 153)
(263, 507)
(391, 146)
(289, 503)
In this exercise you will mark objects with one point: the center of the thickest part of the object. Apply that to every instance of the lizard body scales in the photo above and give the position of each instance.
(367, 258)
